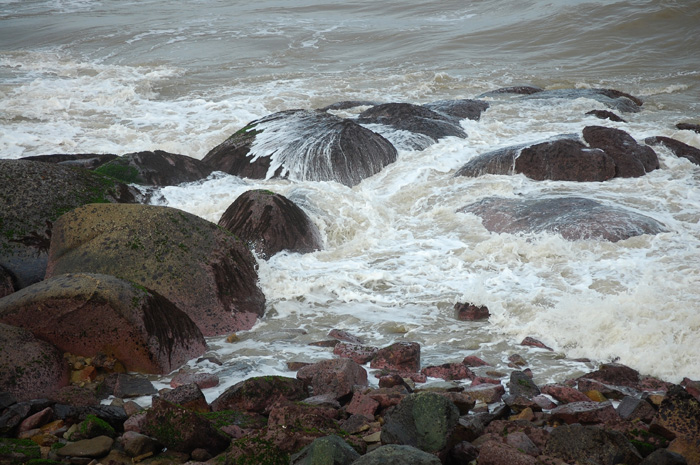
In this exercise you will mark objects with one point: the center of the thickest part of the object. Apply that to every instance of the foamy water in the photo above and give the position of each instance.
(95, 76)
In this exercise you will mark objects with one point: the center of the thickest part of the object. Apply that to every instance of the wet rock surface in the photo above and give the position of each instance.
(157, 168)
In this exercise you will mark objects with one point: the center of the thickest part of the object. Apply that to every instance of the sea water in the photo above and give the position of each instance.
(80, 76)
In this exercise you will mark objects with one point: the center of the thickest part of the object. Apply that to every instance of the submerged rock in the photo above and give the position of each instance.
(29, 367)
(605, 114)
(574, 218)
(678, 148)
(412, 127)
(157, 168)
(609, 97)
(89, 313)
(688, 127)
(631, 159)
(32, 197)
(204, 270)
(516, 90)
(271, 223)
(303, 145)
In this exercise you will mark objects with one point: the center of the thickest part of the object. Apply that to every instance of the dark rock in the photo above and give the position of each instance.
(124, 385)
(424, 420)
(678, 417)
(32, 196)
(532, 342)
(426, 126)
(115, 416)
(90, 428)
(88, 161)
(522, 385)
(574, 218)
(691, 386)
(449, 371)
(664, 457)
(585, 412)
(335, 376)
(205, 271)
(182, 430)
(293, 425)
(270, 223)
(401, 357)
(358, 353)
(18, 451)
(688, 127)
(7, 286)
(157, 168)
(487, 392)
(678, 148)
(30, 368)
(558, 160)
(328, 450)
(498, 453)
(631, 159)
(518, 90)
(605, 114)
(609, 97)
(303, 145)
(203, 380)
(344, 336)
(588, 444)
(614, 374)
(6, 399)
(347, 104)
(89, 313)
(13, 417)
(462, 109)
(631, 408)
(187, 396)
(137, 444)
(471, 312)
(608, 390)
(393, 454)
(258, 394)
(463, 452)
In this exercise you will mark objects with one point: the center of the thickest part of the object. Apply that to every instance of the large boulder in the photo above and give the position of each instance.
(609, 97)
(270, 223)
(631, 159)
(88, 161)
(393, 454)
(574, 218)
(157, 168)
(327, 450)
(89, 313)
(563, 159)
(678, 148)
(409, 126)
(204, 270)
(589, 444)
(462, 109)
(303, 145)
(29, 368)
(32, 196)
(259, 394)
(336, 377)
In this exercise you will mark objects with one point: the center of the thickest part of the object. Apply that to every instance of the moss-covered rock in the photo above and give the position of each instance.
(156, 168)
(328, 450)
(203, 269)
(18, 451)
(258, 394)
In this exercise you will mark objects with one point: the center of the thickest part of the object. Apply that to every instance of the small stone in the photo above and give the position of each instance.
(471, 312)
(231, 338)
(532, 342)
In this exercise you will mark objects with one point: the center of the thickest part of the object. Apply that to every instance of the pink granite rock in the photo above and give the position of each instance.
(337, 376)
(400, 357)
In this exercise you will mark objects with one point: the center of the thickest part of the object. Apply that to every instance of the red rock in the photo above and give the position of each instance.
(631, 159)
(387, 397)
(362, 404)
(498, 453)
(471, 312)
(391, 380)
(337, 376)
(585, 412)
(135, 422)
(344, 336)
(259, 394)
(529, 341)
(607, 390)
(488, 393)
(400, 357)
(203, 380)
(693, 387)
(615, 374)
(448, 371)
(484, 380)
(187, 396)
(474, 361)
(358, 353)
(651, 384)
(37, 420)
(563, 393)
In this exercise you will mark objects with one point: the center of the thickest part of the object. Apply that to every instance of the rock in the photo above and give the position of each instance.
(76, 396)
(585, 412)
(36, 420)
(558, 160)
(13, 417)
(532, 342)
(563, 393)
(471, 312)
(157, 168)
(336, 376)
(487, 392)
(328, 450)
(474, 361)
(678, 148)
(678, 418)
(362, 404)
(124, 385)
(89, 161)
(393, 454)
(402, 357)
(205, 271)
(90, 428)
(258, 394)
(631, 159)
(270, 223)
(303, 145)
(33, 195)
(449, 371)
(344, 336)
(424, 420)
(517, 90)
(462, 109)
(203, 380)
(7, 286)
(347, 104)
(17, 451)
(293, 425)
(497, 453)
(89, 313)
(113, 415)
(605, 114)
(634, 408)
(614, 374)
(691, 386)
(574, 218)
(358, 353)
(182, 430)
(187, 396)
(95, 447)
(609, 97)
(30, 368)
(663, 457)
(137, 444)
(418, 126)
(589, 444)
(522, 385)
(688, 127)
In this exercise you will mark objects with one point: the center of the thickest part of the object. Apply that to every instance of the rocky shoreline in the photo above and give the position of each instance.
(91, 274)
